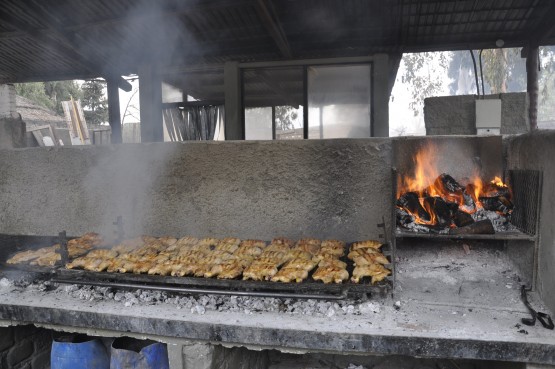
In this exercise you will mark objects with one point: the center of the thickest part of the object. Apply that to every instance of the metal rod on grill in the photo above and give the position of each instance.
(64, 253)
(193, 290)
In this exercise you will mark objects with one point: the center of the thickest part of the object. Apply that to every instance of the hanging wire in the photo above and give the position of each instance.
(481, 72)
(475, 72)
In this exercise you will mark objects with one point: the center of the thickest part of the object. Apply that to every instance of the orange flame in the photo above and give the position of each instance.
(423, 182)
(425, 172)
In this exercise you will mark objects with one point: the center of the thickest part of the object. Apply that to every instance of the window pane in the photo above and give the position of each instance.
(289, 123)
(280, 89)
(339, 101)
(258, 123)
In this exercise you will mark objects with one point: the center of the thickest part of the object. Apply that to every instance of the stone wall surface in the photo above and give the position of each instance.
(536, 151)
(327, 188)
(25, 347)
(456, 115)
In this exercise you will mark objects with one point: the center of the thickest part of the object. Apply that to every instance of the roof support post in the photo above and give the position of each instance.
(532, 66)
(150, 100)
(234, 128)
(380, 96)
(114, 117)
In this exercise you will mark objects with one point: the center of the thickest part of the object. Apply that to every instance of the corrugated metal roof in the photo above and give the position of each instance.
(53, 39)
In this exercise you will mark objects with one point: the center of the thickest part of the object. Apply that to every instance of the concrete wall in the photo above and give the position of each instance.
(456, 115)
(536, 151)
(328, 188)
(7, 101)
(12, 133)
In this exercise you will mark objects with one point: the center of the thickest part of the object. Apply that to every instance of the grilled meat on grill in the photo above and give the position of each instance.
(329, 274)
(287, 275)
(376, 271)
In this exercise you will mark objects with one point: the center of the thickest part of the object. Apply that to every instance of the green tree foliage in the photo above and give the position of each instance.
(424, 73)
(503, 69)
(59, 91)
(285, 117)
(49, 94)
(95, 104)
(35, 92)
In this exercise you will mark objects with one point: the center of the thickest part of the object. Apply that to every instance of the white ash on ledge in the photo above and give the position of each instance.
(199, 304)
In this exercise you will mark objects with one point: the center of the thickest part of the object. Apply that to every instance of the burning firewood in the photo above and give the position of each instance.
(462, 219)
(436, 205)
(448, 183)
(498, 203)
(409, 201)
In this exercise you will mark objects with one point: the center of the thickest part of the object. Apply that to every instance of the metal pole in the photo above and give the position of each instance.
(114, 110)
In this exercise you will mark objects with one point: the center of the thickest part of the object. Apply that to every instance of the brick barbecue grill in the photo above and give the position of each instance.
(448, 299)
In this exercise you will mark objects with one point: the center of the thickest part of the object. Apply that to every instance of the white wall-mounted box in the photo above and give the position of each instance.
(488, 113)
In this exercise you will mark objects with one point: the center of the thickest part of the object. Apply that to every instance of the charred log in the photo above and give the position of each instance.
(409, 201)
(453, 207)
(480, 227)
(493, 190)
(448, 183)
(462, 219)
(403, 217)
(499, 203)
(439, 207)
(469, 204)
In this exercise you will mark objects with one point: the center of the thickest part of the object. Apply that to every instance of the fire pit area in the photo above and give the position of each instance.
(450, 296)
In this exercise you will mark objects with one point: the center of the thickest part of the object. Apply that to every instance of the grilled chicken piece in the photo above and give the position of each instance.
(311, 245)
(298, 254)
(283, 241)
(333, 243)
(259, 271)
(191, 254)
(208, 241)
(275, 257)
(187, 240)
(148, 239)
(167, 240)
(162, 269)
(253, 243)
(372, 244)
(287, 275)
(49, 259)
(277, 247)
(230, 241)
(102, 253)
(247, 250)
(227, 247)
(367, 257)
(182, 270)
(231, 270)
(330, 274)
(301, 263)
(77, 263)
(332, 247)
(376, 271)
(23, 257)
(129, 245)
(327, 261)
(94, 264)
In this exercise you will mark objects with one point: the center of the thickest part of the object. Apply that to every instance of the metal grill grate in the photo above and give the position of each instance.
(526, 189)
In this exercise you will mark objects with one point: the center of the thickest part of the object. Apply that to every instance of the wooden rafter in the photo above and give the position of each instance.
(59, 40)
(270, 20)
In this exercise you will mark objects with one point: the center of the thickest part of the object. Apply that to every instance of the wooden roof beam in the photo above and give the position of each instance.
(270, 20)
